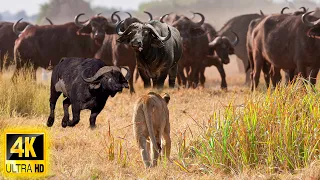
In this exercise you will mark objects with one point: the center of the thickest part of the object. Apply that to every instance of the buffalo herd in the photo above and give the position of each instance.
(173, 45)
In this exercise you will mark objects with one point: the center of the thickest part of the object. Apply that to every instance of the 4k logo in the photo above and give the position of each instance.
(25, 153)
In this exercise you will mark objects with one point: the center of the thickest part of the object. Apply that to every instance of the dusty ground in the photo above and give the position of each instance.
(82, 153)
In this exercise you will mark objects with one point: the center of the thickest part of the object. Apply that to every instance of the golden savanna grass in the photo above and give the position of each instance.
(234, 134)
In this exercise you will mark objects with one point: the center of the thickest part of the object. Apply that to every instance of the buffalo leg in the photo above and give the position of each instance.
(93, 116)
(131, 79)
(53, 100)
(259, 61)
(172, 76)
(313, 75)
(65, 119)
(145, 79)
(276, 77)
(266, 73)
(201, 75)
(193, 80)
(289, 75)
(75, 115)
(223, 76)
(182, 80)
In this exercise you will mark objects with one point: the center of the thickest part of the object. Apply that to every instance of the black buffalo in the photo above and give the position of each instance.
(158, 49)
(46, 45)
(86, 84)
(7, 39)
(286, 42)
(117, 54)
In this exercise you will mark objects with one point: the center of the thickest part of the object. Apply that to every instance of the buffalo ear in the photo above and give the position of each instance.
(95, 86)
(86, 30)
(157, 43)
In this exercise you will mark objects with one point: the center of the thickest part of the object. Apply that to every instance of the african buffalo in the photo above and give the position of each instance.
(286, 42)
(117, 54)
(44, 45)
(158, 49)
(7, 39)
(86, 84)
(239, 25)
(195, 46)
(266, 65)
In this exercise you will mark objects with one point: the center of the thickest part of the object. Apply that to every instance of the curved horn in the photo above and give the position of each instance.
(51, 23)
(119, 32)
(118, 19)
(304, 9)
(236, 41)
(193, 15)
(128, 75)
(162, 17)
(99, 73)
(115, 14)
(215, 41)
(283, 9)
(262, 14)
(308, 23)
(98, 14)
(76, 21)
(202, 19)
(163, 39)
(130, 16)
(14, 27)
(149, 14)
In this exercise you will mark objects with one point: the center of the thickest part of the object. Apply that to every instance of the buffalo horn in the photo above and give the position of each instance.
(283, 9)
(149, 14)
(15, 30)
(99, 73)
(128, 75)
(305, 19)
(51, 23)
(76, 21)
(162, 17)
(202, 19)
(163, 39)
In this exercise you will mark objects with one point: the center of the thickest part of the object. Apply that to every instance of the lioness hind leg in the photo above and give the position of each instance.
(167, 142)
(155, 153)
(142, 141)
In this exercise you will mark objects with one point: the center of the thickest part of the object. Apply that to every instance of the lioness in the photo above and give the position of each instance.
(151, 120)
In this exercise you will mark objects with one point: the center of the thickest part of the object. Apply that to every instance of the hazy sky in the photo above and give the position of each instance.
(32, 6)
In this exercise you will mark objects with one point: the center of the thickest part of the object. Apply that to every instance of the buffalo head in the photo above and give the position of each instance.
(223, 47)
(128, 21)
(141, 36)
(187, 28)
(296, 13)
(109, 79)
(17, 26)
(314, 31)
(96, 27)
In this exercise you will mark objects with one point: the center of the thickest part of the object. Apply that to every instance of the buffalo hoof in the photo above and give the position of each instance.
(72, 123)
(50, 121)
(93, 126)
(64, 124)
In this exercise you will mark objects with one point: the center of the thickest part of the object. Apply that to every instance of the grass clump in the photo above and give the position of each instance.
(277, 131)
(22, 96)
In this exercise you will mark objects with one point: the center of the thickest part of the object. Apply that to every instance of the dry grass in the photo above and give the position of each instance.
(110, 152)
